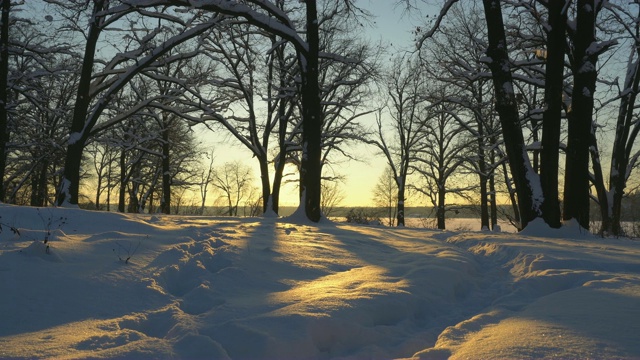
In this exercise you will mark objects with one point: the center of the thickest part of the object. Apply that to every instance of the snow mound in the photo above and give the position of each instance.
(265, 288)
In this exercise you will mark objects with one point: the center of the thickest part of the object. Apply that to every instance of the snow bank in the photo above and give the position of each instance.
(114, 285)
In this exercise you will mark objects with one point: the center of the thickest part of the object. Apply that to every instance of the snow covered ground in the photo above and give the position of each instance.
(283, 288)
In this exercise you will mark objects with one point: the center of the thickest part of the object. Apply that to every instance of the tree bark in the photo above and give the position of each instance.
(310, 171)
(493, 201)
(123, 180)
(623, 143)
(281, 159)
(400, 216)
(576, 186)
(4, 91)
(165, 203)
(282, 155)
(554, 83)
(482, 173)
(440, 213)
(70, 184)
(523, 176)
(598, 183)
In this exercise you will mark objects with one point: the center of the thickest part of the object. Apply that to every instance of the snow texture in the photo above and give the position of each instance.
(158, 286)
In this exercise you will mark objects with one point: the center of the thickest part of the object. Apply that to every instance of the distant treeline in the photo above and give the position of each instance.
(631, 206)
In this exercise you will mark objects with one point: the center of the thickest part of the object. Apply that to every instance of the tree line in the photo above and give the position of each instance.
(496, 91)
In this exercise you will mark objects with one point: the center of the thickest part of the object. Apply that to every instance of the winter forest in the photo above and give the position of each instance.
(526, 103)
(123, 123)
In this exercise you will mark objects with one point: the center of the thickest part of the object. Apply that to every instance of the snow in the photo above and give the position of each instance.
(74, 137)
(285, 288)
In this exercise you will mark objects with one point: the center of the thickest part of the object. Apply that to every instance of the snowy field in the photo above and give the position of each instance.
(283, 288)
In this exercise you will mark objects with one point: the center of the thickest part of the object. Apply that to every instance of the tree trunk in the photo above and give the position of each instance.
(523, 176)
(598, 183)
(39, 184)
(34, 188)
(310, 170)
(123, 180)
(69, 186)
(277, 182)
(165, 203)
(133, 206)
(98, 189)
(482, 173)
(4, 96)
(440, 212)
(554, 83)
(576, 186)
(109, 183)
(400, 215)
(623, 142)
(264, 181)
(493, 202)
(282, 133)
(512, 194)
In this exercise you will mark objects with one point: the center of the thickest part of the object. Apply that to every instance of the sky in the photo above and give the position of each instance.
(139, 286)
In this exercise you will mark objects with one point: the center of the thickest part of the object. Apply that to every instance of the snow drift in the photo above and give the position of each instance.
(153, 286)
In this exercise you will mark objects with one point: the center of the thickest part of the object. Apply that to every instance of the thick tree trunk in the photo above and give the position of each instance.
(310, 170)
(554, 81)
(70, 184)
(440, 212)
(69, 187)
(134, 203)
(400, 215)
(264, 181)
(576, 186)
(523, 176)
(4, 91)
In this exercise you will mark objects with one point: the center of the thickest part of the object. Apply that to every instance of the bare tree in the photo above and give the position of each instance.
(454, 58)
(233, 180)
(584, 57)
(385, 195)
(439, 157)
(95, 90)
(526, 180)
(554, 85)
(404, 87)
(206, 176)
(247, 76)
(104, 157)
(623, 158)
(270, 17)
(332, 195)
(5, 7)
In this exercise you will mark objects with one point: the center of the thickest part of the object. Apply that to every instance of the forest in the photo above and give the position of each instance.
(530, 101)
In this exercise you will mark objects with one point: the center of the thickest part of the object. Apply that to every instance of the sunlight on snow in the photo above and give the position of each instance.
(335, 291)
(238, 288)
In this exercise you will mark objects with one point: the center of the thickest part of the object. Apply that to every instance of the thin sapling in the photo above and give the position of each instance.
(48, 224)
(129, 249)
